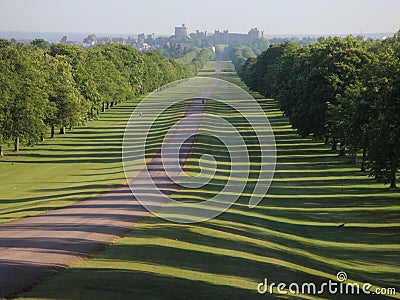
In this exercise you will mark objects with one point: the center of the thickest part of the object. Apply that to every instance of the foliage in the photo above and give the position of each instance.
(64, 85)
(342, 90)
(24, 100)
(41, 43)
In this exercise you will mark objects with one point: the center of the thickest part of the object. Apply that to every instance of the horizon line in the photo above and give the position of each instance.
(165, 34)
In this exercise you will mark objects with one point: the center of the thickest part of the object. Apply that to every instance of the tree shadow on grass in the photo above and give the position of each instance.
(141, 285)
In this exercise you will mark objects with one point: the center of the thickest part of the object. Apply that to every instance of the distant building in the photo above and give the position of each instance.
(90, 40)
(64, 40)
(120, 40)
(141, 38)
(182, 39)
(255, 34)
(151, 36)
(93, 40)
(104, 40)
(225, 37)
(131, 40)
(181, 32)
(199, 35)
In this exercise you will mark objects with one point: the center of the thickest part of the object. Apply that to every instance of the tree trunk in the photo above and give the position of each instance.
(334, 146)
(16, 144)
(42, 138)
(326, 140)
(364, 161)
(107, 105)
(393, 175)
(62, 130)
(112, 104)
(342, 151)
(1, 151)
(52, 134)
(103, 107)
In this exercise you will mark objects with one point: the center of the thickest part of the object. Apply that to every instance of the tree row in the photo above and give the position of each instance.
(44, 89)
(344, 91)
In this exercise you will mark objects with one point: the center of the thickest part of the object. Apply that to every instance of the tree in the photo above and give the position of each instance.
(65, 85)
(41, 43)
(68, 107)
(349, 120)
(5, 85)
(384, 130)
(82, 74)
(24, 99)
(342, 90)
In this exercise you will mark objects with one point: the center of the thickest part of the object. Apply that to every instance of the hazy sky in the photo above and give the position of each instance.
(161, 16)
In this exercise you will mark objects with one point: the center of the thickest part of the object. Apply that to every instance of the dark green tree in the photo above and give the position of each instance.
(41, 43)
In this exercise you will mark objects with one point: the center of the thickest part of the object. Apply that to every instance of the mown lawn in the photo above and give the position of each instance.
(59, 172)
(79, 165)
(292, 236)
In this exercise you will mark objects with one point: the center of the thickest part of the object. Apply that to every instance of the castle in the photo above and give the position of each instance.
(224, 37)
(182, 32)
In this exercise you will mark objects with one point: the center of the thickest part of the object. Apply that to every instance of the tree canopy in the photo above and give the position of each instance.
(43, 87)
(342, 90)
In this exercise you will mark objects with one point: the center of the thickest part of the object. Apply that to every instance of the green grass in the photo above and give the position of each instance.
(291, 236)
(59, 172)
(79, 165)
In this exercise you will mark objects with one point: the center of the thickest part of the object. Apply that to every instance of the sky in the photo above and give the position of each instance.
(161, 16)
